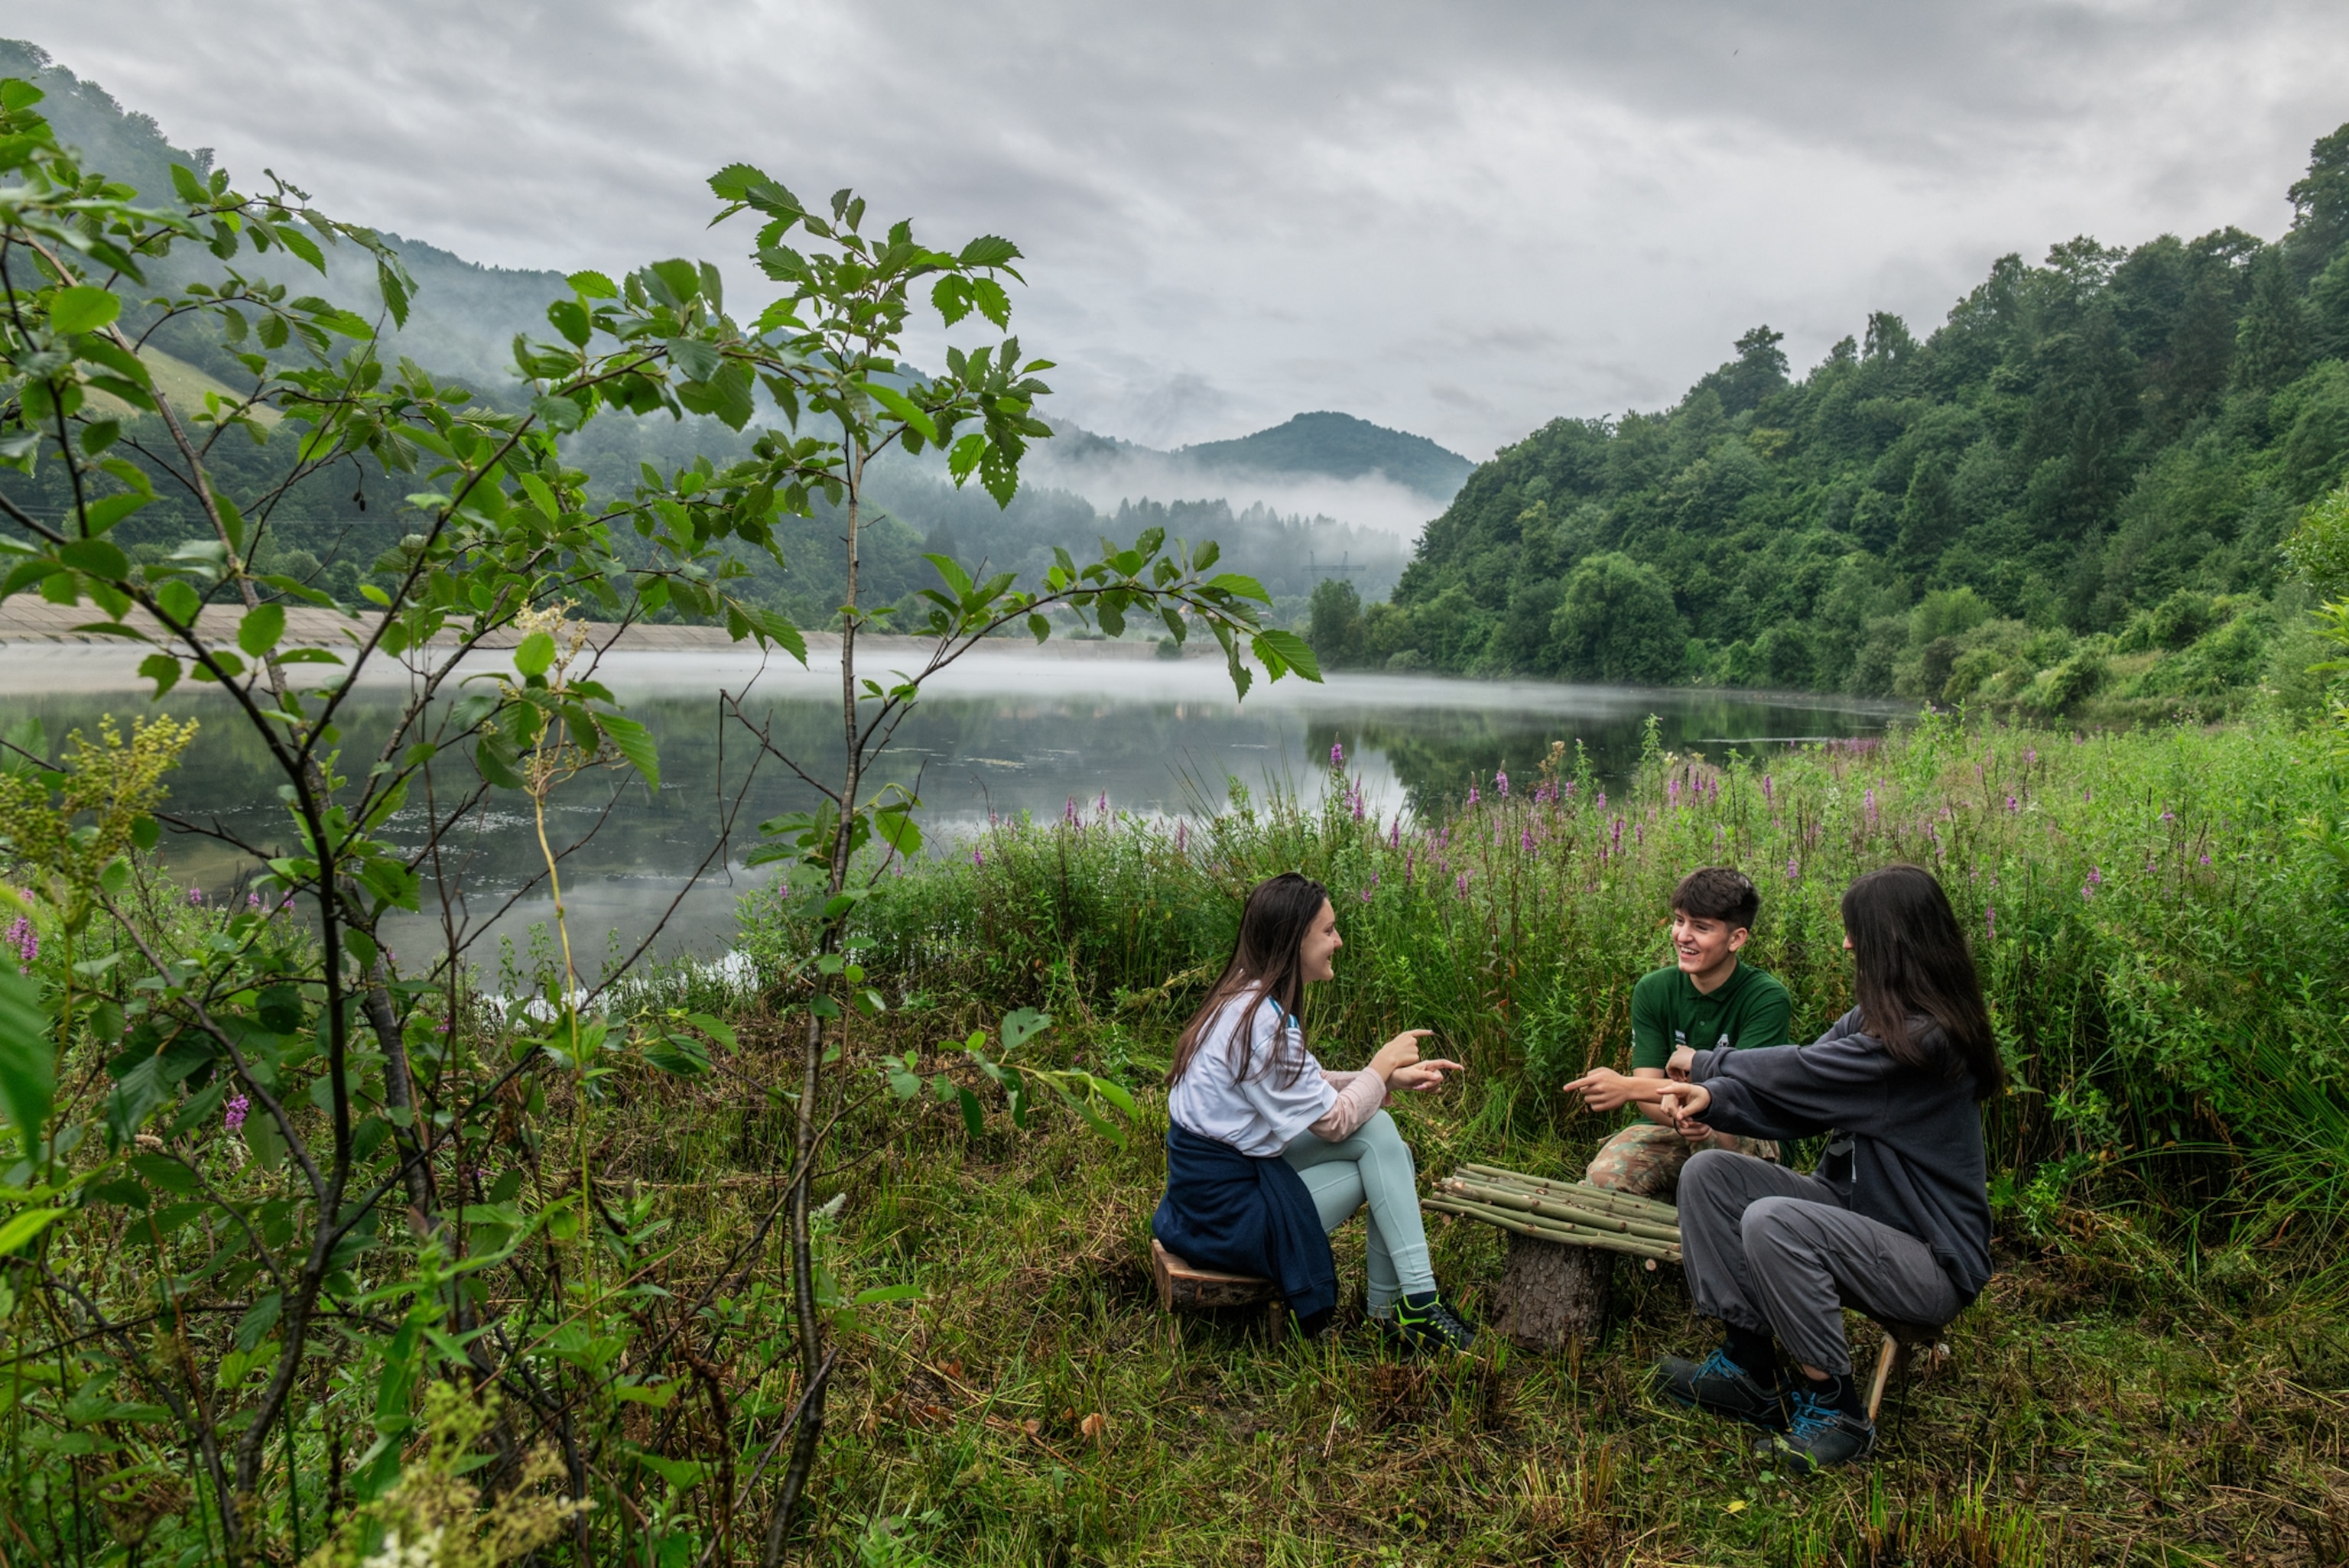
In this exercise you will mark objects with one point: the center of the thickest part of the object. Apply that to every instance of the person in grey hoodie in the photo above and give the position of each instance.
(1895, 1221)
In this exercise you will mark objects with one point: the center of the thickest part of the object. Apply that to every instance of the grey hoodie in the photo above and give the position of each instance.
(1910, 1153)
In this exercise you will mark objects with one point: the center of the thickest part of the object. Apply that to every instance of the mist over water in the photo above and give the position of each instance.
(1004, 733)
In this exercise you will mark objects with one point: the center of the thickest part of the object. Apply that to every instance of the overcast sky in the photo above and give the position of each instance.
(1461, 220)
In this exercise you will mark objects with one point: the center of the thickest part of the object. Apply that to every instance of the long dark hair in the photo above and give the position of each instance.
(1913, 963)
(1267, 959)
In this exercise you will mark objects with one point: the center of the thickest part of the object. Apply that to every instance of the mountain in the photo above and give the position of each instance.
(2068, 495)
(1340, 447)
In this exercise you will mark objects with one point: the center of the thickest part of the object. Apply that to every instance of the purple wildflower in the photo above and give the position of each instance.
(1338, 755)
(1357, 805)
(2031, 757)
(195, 895)
(2167, 815)
(1501, 784)
(1769, 797)
(1672, 792)
(1394, 834)
(25, 939)
(2206, 860)
(1472, 794)
(2012, 805)
(1602, 799)
(1869, 801)
(1409, 856)
(1527, 842)
(1990, 921)
(233, 1119)
(1460, 885)
(977, 860)
(1566, 789)
(1617, 833)
(1793, 871)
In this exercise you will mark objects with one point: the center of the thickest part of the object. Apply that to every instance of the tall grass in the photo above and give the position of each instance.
(2164, 948)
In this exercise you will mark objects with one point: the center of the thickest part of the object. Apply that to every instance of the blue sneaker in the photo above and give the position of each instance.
(1821, 1435)
(1720, 1385)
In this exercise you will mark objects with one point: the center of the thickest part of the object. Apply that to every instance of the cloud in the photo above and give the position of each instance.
(1461, 221)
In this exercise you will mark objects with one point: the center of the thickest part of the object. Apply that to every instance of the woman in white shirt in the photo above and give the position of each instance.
(1268, 1151)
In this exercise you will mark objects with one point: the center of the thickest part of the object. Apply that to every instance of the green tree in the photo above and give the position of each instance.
(1616, 622)
(2320, 206)
(1335, 629)
(2271, 345)
(380, 1235)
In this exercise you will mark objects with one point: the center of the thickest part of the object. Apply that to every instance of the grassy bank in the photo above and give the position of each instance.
(2157, 1374)
(2112, 1398)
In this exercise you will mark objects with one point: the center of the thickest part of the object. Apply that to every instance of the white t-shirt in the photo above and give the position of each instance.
(1256, 1114)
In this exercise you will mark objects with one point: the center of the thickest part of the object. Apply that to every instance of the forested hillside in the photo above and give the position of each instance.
(2075, 486)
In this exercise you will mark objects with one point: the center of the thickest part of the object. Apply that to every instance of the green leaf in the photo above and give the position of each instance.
(28, 1060)
(570, 319)
(875, 1296)
(989, 251)
(1244, 587)
(262, 626)
(535, 655)
(634, 742)
(95, 556)
(163, 669)
(593, 285)
(22, 1228)
(903, 409)
(82, 308)
(1292, 649)
(974, 1118)
(1022, 1026)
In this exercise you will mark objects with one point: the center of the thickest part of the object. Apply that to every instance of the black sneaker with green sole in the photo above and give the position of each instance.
(1431, 1325)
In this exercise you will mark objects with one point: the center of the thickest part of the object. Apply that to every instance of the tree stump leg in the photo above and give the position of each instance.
(1552, 1294)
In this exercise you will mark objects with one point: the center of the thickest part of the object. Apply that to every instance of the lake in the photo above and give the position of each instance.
(1010, 730)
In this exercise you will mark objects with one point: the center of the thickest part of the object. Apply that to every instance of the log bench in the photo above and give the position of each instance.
(1186, 1287)
(1563, 1238)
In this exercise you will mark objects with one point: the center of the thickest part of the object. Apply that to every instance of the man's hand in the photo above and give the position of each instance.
(1684, 1059)
(1684, 1102)
(1423, 1075)
(1604, 1089)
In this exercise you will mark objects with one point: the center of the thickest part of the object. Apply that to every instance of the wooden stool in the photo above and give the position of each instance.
(1183, 1288)
(1902, 1340)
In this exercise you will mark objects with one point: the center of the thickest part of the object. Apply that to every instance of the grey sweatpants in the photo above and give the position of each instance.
(1372, 1167)
(1772, 1250)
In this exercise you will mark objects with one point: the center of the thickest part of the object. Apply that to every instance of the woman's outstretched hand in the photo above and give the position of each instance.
(1424, 1076)
(1684, 1102)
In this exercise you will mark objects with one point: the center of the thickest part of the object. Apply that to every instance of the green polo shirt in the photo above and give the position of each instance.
(1749, 1009)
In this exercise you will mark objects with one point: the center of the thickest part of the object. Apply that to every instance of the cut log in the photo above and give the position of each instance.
(1552, 1294)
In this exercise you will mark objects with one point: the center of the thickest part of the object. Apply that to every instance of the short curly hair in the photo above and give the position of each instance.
(1718, 893)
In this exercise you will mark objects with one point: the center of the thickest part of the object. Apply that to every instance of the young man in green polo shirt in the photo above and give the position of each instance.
(1706, 999)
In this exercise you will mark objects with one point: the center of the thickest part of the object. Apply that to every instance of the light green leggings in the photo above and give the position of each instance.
(1373, 1167)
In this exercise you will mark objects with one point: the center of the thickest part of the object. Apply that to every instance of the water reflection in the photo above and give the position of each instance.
(1006, 733)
